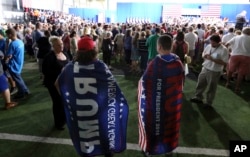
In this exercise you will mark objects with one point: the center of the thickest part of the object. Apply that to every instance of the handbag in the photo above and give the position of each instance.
(186, 69)
(188, 59)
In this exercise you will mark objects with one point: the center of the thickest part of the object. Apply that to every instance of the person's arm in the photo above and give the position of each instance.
(115, 38)
(57, 86)
(230, 42)
(207, 39)
(1, 55)
(174, 47)
(187, 49)
(147, 42)
(8, 55)
(217, 61)
(206, 51)
(75, 44)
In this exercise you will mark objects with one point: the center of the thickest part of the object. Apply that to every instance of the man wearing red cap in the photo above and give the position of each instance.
(96, 110)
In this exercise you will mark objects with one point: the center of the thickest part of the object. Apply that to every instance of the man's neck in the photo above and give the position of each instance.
(14, 38)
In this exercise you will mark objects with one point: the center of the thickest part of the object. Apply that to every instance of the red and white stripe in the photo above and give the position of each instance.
(142, 133)
(171, 11)
(211, 11)
(27, 3)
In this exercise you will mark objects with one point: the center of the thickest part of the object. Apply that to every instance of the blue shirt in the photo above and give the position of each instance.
(16, 49)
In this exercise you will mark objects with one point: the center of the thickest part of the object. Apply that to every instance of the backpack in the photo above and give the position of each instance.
(179, 51)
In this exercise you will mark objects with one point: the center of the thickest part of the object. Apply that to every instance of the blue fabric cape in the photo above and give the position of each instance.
(96, 109)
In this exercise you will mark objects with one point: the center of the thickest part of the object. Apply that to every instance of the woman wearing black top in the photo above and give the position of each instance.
(51, 68)
(44, 48)
(107, 49)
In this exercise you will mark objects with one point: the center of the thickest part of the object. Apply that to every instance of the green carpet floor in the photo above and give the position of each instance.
(200, 127)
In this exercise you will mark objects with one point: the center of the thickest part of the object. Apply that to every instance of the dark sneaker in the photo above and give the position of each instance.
(21, 96)
(145, 154)
(13, 90)
(59, 127)
(208, 106)
(196, 100)
(109, 154)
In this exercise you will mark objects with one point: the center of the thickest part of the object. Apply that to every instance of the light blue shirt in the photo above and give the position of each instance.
(16, 49)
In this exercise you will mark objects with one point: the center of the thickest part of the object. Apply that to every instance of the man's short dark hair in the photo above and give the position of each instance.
(157, 30)
(231, 30)
(85, 57)
(38, 24)
(165, 41)
(199, 26)
(216, 38)
(10, 31)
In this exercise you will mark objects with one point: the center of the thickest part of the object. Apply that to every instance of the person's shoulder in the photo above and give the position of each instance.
(223, 47)
(186, 43)
(17, 42)
(3, 40)
(42, 39)
(49, 55)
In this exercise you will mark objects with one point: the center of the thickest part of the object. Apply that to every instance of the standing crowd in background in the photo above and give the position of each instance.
(139, 48)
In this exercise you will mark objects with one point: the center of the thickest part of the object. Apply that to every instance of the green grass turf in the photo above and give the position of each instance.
(199, 127)
(29, 149)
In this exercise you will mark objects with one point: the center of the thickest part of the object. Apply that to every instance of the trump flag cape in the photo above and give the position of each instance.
(159, 105)
(96, 109)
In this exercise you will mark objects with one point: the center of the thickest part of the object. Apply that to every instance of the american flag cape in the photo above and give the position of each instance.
(159, 105)
(96, 109)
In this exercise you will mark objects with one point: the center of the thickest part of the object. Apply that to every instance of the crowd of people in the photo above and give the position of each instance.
(144, 48)
(48, 16)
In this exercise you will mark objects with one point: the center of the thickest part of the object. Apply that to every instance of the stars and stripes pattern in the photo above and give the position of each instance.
(175, 10)
(159, 124)
(213, 10)
(141, 113)
(171, 11)
(27, 3)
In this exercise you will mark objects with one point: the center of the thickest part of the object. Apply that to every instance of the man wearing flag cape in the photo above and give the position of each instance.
(160, 100)
(96, 109)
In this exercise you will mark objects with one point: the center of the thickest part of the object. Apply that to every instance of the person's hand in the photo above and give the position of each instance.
(208, 56)
(7, 58)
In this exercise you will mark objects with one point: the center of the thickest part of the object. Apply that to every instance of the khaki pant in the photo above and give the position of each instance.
(207, 79)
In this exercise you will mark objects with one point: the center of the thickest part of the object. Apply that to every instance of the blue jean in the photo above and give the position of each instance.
(22, 88)
(144, 60)
(128, 56)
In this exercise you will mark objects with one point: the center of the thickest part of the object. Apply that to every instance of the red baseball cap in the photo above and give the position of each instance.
(86, 43)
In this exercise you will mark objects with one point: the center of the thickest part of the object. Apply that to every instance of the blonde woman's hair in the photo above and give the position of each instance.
(54, 39)
(27, 30)
(86, 30)
(143, 34)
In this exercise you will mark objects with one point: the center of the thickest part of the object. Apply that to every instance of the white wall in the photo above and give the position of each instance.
(1, 14)
(67, 4)
(47, 4)
(190, 1)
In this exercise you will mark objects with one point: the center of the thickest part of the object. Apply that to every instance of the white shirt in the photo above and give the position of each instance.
(220, 52)
(201, 33)
(191, 38)
(227, 37)
(240, 45)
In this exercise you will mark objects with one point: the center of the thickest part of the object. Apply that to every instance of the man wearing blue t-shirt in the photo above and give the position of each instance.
(15, 60)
